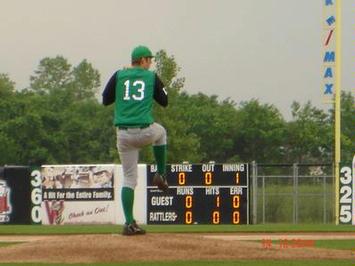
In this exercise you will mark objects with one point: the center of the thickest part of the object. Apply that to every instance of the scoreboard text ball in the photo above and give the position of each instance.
(200, 194)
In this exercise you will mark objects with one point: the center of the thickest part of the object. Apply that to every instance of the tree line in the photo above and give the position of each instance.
(59, 119)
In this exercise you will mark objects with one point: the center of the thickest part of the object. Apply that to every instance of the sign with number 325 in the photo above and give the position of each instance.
(346, 194)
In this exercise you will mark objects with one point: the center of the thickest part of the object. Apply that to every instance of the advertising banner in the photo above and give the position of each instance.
(79, 194)
(329, 51)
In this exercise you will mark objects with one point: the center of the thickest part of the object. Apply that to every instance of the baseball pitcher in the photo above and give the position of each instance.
(132, 90)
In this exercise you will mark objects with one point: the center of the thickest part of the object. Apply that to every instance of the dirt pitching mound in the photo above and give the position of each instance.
(153, 247)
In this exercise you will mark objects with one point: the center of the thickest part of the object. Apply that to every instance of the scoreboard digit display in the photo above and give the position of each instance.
(200, 194)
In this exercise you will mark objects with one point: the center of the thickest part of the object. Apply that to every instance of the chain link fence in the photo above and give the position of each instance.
(292, 193)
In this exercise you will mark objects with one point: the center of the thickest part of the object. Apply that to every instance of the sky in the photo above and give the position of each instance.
(270, 50)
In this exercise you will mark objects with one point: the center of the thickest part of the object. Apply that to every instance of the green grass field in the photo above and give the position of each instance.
(268, 228)
(344, 244)
(111, 229)
(6, 244)
(347, 244)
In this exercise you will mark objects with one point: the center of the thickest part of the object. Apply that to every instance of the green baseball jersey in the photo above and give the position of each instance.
(134, 97)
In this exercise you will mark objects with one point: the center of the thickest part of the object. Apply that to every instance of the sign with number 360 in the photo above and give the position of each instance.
(346, 194)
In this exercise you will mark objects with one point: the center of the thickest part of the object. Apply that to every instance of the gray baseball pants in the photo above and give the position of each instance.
(130, 141)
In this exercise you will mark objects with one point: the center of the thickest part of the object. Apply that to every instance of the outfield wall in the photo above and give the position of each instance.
(67, 194)
(90, 194)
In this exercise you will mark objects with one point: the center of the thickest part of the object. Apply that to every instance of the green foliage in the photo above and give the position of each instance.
(89, 134)
(183, 145)
(7, 87)
(260, 132)
(59, 120)
(55, 75)
(309, 135)
(167, 69)
(347, 138)
(86, 81)
(347, 126)
(212, 122)
(52, 74)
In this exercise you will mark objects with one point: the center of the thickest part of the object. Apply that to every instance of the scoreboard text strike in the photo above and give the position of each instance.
(200, 194)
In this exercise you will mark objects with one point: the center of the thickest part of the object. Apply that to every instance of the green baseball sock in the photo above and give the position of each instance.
(127, 197)
(160, 158)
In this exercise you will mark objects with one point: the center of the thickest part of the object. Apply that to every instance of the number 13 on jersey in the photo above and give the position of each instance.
(134, 90)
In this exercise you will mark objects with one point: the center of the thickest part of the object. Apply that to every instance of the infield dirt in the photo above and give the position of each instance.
(163, 247)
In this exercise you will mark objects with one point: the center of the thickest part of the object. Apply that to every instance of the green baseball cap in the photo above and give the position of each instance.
(141, 51)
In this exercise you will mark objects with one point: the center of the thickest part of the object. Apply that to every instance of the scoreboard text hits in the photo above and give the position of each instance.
(200, 194)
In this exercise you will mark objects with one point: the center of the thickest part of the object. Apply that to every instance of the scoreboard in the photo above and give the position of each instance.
(200, 194)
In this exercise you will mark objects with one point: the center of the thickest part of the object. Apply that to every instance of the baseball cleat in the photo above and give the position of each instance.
(132, 229)
(161, 182)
